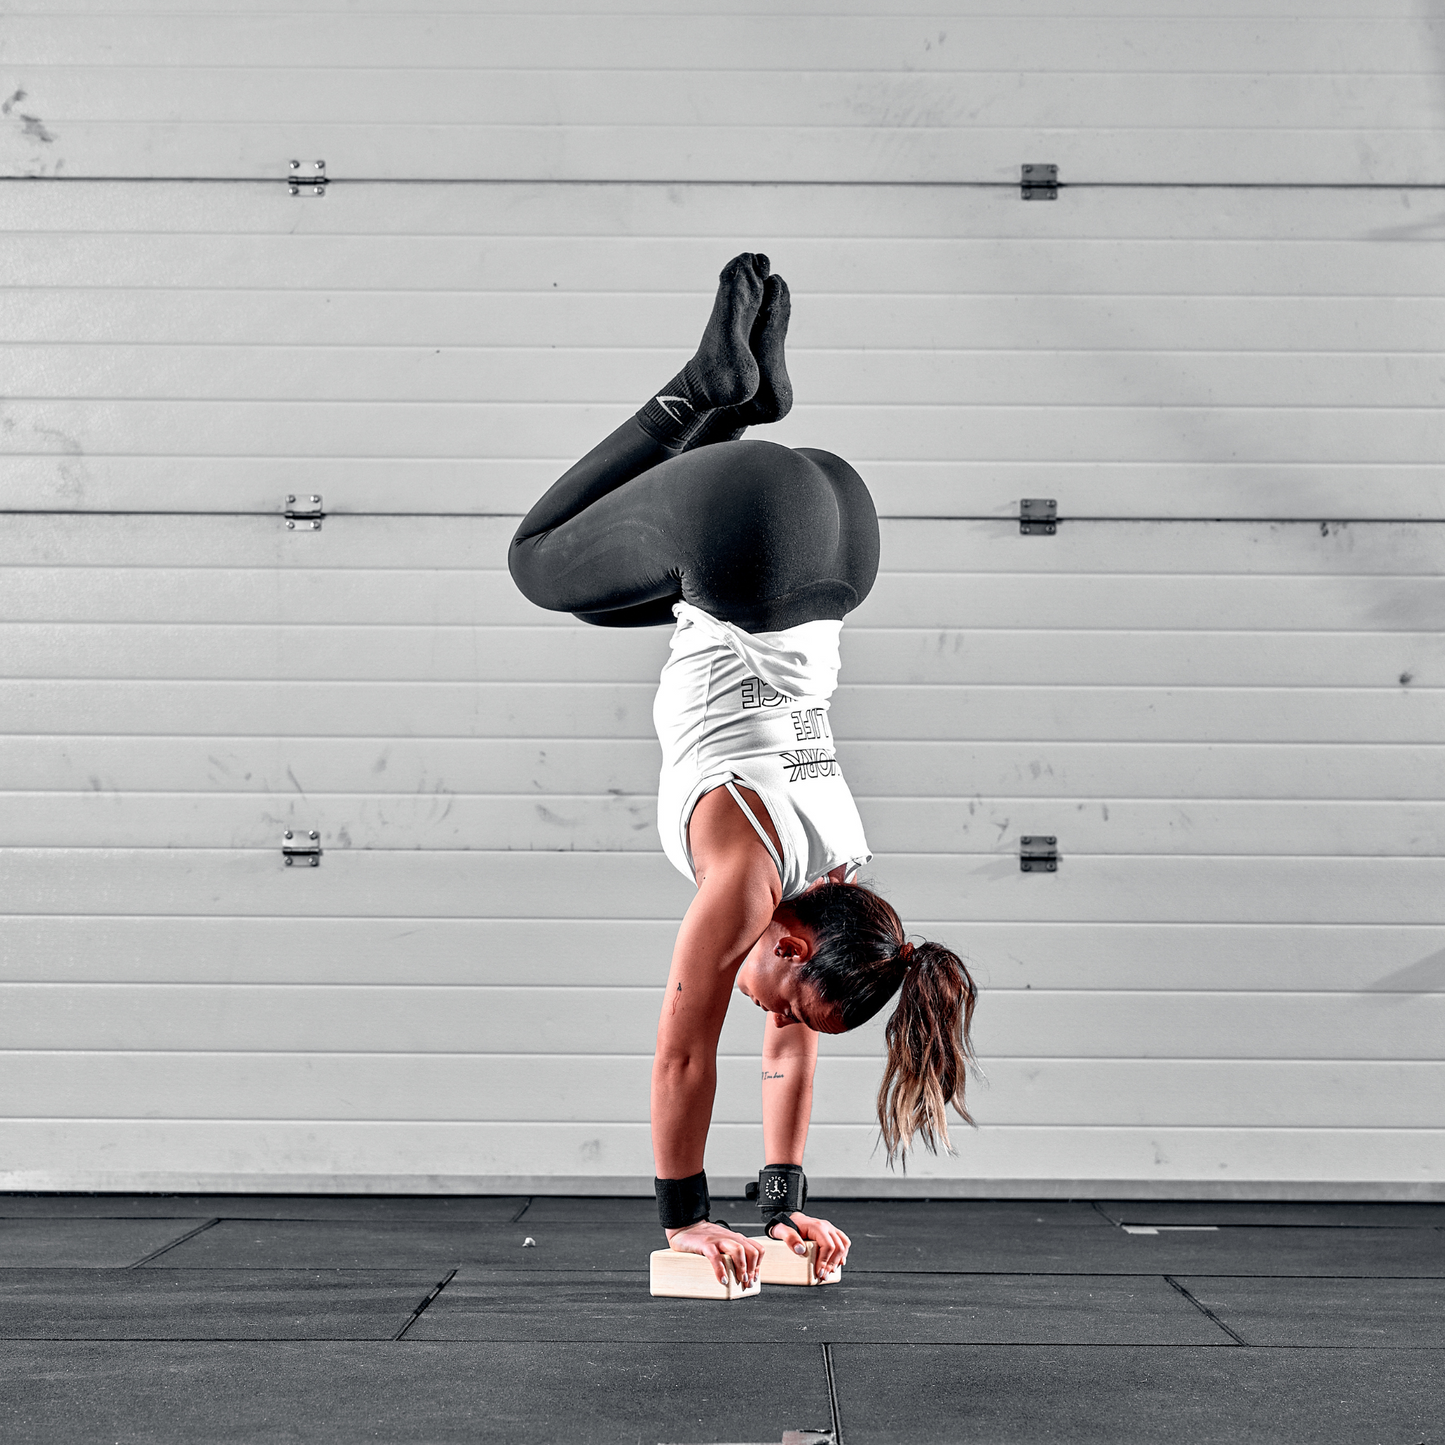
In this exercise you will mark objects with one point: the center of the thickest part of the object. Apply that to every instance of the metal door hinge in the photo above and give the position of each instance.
(307, 847)
(303, 514)
(1040, 183)
(308, 177)
(1038, 516)
(1038, 855)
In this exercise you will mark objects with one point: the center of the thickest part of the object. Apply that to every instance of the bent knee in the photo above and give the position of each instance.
(525, 563)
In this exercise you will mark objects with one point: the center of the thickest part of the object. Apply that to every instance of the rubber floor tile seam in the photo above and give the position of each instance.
(166, 1248)
(420, 1310)
(149, 1340)
(830, 1371)
(1205, 1310)
(1104, 1214)
(1305, 1278)
(417, 1344)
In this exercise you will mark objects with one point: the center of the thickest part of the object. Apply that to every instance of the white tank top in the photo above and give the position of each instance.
(752, 707)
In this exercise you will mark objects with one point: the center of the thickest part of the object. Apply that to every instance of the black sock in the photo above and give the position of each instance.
(724, 372)
(721, 425)
(773, 399)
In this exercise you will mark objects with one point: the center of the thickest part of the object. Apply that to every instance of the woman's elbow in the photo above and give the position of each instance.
(677, 1064)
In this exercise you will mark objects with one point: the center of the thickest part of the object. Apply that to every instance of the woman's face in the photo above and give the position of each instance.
(768, 975)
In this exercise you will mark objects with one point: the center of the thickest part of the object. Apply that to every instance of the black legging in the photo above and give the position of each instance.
(761, 535)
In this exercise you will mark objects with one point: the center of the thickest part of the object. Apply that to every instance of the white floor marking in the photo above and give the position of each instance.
(1170, 1228)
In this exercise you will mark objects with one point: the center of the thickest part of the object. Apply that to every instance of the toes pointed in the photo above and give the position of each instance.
(774, 397)
(746, 268)
(726, 370)
(770, 333)
(777, 301)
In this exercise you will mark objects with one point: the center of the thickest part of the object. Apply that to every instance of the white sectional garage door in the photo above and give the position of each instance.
(1217, 685)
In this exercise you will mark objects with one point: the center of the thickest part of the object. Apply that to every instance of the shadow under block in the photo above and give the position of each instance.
(690, 1276)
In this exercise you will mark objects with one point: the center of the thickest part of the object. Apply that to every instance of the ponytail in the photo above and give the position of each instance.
(859, 961)
(929, 1051)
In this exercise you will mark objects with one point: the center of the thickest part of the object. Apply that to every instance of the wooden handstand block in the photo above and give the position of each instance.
(690, 1276)
(781, 1266)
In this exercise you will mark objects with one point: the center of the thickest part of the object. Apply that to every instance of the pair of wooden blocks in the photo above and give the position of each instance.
(690, 1276)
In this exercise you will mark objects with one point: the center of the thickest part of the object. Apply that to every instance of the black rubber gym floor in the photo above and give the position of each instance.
(133, 1318)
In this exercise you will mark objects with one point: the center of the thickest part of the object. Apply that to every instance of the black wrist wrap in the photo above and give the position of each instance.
(780, 1189)
(681, 1202)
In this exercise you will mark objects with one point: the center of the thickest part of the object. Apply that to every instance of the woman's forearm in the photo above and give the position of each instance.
(733, 904)
(682, 1098)
(787, 1086)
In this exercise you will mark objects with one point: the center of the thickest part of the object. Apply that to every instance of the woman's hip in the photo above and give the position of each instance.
(766, 536)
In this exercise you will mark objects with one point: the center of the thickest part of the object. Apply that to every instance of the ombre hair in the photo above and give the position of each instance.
(860, 960)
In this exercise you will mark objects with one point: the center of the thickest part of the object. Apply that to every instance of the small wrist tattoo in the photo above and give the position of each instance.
(767, 1075)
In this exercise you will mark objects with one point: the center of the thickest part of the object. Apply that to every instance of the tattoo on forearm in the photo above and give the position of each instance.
(767, 1075)
(674, 998)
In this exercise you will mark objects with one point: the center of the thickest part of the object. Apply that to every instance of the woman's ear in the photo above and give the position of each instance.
(794, 945)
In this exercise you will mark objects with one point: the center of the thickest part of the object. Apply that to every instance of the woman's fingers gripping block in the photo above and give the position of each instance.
(721, 1247)
(832, 1243)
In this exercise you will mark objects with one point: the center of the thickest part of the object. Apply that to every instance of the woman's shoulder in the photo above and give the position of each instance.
(721, 838)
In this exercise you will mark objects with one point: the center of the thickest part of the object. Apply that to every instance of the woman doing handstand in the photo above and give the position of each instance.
(755, 552)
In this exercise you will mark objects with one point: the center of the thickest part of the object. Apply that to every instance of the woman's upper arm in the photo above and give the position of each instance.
(737, 890)
(724, 920)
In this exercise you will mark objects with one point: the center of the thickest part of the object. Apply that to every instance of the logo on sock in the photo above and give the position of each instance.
(662, 401)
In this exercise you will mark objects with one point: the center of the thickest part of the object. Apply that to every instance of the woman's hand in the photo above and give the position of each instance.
(832, 1242)
(716, 1243)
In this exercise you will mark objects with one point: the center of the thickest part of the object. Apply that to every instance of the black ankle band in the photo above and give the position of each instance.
(675, 410)
(681, 1202)
(721, 425)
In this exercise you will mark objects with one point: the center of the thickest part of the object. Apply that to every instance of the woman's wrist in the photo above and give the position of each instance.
(681, 1203)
